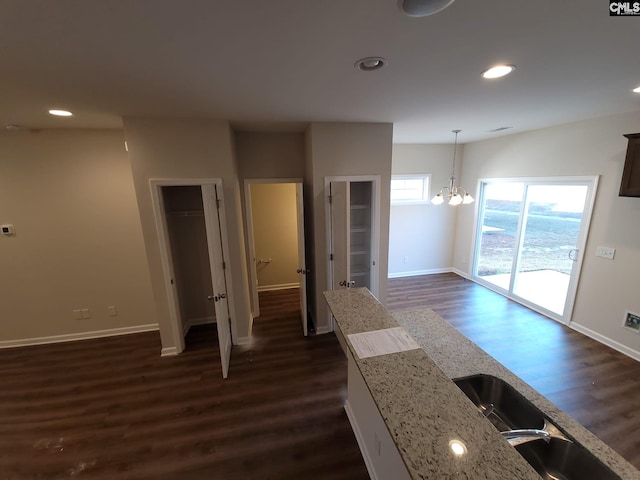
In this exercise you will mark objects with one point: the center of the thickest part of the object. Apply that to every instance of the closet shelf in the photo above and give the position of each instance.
(359, 274)
(186, 213)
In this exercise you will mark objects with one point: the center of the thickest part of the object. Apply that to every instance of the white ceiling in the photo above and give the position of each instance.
(276, 64)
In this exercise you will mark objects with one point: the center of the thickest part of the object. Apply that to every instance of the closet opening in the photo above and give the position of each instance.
(193, 243)
(184, 212)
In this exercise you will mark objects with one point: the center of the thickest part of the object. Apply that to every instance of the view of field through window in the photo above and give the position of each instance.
(535, 229)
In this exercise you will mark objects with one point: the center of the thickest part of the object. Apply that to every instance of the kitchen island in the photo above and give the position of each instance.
(410, 419)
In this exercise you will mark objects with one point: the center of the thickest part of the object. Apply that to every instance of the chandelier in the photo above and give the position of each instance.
(454, 195)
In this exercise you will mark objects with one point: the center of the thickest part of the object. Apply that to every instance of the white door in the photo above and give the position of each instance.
(212, 200)
(302, 264)
(339, 251)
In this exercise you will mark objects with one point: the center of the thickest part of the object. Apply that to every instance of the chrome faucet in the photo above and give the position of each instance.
(525, 435)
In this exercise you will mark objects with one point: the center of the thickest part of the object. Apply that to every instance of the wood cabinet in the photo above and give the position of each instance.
(630, 185)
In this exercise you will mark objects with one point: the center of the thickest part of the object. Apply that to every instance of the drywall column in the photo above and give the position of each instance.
(335, 149)
(189, 149)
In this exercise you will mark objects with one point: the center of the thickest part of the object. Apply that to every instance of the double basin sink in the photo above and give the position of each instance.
(554, 454)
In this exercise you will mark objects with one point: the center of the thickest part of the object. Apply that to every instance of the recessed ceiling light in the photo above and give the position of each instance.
(458, 448)
(423, 8)
(498, 71)
(636, 90)
(60, 113)
(369, 64)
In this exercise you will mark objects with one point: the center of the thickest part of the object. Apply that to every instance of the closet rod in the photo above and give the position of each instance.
(186, 213)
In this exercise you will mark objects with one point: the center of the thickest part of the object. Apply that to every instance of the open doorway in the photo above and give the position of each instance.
(186, 226)
(275, 232)
(192, 237)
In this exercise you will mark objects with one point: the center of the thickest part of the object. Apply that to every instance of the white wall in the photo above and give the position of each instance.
(594, 147)
(78, 241)
(191, 149)
(423, 233)
(337, 149)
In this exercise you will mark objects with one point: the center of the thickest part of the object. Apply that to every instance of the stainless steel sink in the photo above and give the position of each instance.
(562, 460)
(555, 456)
(502, 404)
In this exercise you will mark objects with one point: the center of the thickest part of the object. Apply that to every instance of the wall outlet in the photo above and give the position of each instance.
(112, 311)
(605, 252)
(77, 314)
(85, 313)
(405, 259)
(7, 230)
(632, 321)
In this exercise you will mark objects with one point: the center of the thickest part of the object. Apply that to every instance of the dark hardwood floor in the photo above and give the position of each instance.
(593, 383)
(113, 409)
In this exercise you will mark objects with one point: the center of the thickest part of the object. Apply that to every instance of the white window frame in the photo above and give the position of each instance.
(426, 189)
(591, 181)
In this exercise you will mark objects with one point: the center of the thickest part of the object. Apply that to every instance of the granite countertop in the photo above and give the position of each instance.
(424, 410)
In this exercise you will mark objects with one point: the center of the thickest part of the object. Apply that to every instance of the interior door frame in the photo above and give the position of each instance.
(375, 229)
(251, 246)
(591, 181)
(166, 257)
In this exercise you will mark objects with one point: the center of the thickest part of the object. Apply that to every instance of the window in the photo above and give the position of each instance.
(530, 236)
(407, 189)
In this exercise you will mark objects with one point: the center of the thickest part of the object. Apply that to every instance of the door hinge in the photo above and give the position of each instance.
(218, 204)
(331, 257)
(330, 199)
(224, 265)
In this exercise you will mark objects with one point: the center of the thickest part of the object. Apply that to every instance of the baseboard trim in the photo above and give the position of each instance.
(630, 352)
(243, 341)
(168, 352)
(416, 273)
(282, 286)
(461, 273)
(72, 337)
(358, 434)
(322, 330)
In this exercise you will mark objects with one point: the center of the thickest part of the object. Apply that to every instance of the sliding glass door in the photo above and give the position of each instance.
(530, 238)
